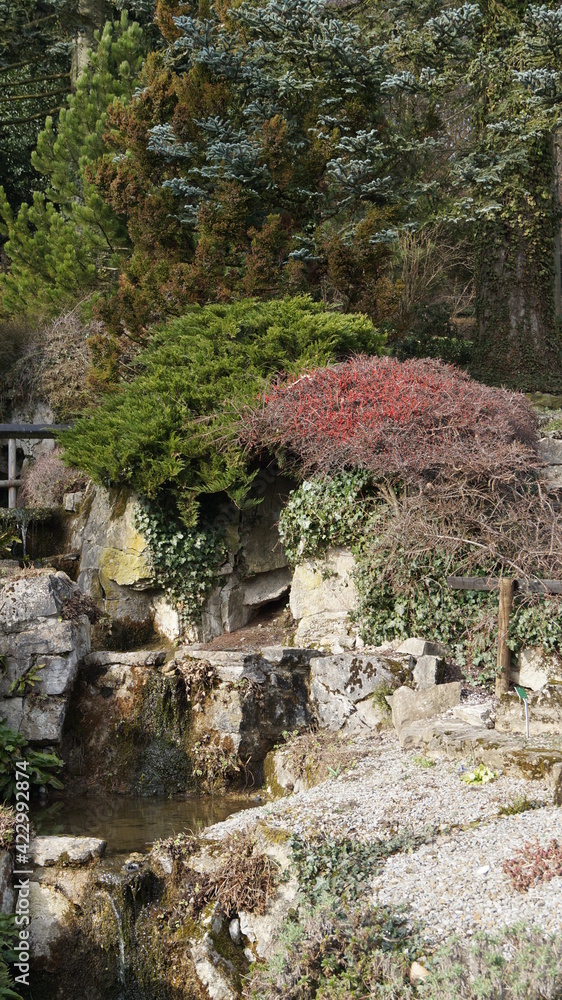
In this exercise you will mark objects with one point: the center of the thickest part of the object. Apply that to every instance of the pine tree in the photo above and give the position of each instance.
(68, 242)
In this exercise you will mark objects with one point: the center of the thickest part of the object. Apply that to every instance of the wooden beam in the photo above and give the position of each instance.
(504, 654)
(493, 583)
(38, 432)
(473, 582)
(539, 586)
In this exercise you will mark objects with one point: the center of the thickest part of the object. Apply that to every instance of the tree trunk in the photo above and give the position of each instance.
(519, 295)
(92, 19)
(518, 341)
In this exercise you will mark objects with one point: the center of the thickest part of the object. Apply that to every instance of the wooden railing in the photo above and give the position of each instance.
(22, 432)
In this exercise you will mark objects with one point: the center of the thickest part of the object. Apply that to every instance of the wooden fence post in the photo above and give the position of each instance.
(504, 655)
(12, 491)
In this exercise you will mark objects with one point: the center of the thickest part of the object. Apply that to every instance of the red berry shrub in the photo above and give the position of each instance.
(388, 416)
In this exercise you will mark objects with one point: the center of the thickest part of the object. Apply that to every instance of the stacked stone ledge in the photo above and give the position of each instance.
(36, 641)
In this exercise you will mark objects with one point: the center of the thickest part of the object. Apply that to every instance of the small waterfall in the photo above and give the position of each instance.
(21, 518)
(119, 920)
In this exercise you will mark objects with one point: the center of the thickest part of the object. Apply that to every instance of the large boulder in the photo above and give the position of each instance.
(409, 707)
(114, 566)
(342, 686)
(66, 851)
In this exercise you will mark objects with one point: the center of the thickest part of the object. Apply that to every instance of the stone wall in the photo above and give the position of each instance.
(40, 652)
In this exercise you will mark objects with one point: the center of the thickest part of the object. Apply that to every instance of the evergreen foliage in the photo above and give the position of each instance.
(282, 146)
(175, 424)
(68, 241)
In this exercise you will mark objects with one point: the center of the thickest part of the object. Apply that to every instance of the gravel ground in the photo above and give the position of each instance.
(455, 884)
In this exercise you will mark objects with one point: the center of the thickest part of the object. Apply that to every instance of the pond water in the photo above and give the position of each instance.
(130, 823)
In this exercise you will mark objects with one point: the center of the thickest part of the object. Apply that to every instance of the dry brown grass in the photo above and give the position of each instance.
(7, 826)
(316, 754)
(243, 879)
(46, 481)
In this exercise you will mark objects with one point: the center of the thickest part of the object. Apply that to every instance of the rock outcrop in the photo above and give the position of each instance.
(535, 668)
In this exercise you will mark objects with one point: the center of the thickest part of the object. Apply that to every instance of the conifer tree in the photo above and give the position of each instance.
(69, 241)
(285, 143)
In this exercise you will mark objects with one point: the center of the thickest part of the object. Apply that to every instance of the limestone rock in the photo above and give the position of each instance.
(27, 599)
(321, 586)
(234, 931)
(474, 715)
(263, 931)
(166, 619)
(114, 563)
(545, 712)
(370, 713)
(49, 909)
(256, 697)
(66, 851)
(353, 674)
(550, 451)
(36, 643)
(42, 721)
(321, 630)
(260, 548)
(214, 971)
(421, 647)
(426, 671)
(11, 710)
(536, 668)
(552, 475)
(332, 708)
(73, 501)
(6, 889)
(410, 706)
(136, 658)
(338, 682)
(267, 587)
(280, 778)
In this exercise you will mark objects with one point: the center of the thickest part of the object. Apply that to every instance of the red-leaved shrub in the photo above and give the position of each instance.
(388, 416)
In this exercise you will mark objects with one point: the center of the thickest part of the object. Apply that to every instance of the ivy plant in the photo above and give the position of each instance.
(184, 560)
(324, 511)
